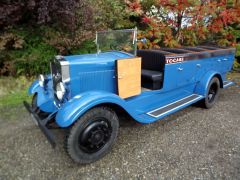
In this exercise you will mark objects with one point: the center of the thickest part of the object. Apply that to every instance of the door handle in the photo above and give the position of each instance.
(219, 60)
(199, 65)
(225, 59)
(180, 69)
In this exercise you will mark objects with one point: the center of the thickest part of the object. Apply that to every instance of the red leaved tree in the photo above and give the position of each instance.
(173, 23)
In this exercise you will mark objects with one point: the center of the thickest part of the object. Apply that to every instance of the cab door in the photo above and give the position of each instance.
(227, 63)
(128, 73)
(186, 72)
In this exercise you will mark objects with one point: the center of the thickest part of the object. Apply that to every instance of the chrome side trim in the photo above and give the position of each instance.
(198, 97)
(227, 84)
(170, 104)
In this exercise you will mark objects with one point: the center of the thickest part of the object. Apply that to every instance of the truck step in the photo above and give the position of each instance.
(174, 106)
(227, 84)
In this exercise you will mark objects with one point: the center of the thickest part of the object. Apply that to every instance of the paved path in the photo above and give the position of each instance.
(194, 143)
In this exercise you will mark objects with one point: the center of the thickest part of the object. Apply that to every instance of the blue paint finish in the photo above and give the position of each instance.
(201, 87)
(93, 82)
(94, 72)
(150, 100)
(45, 97)
(97, 58)
(35, 87)
(186, 73)
(79, 104)
(45, 100)
(180, 107)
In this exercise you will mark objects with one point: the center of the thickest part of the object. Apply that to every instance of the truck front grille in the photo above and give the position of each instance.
(56, 73)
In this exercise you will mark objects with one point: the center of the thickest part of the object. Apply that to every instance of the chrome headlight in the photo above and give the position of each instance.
(60, 90)
(41, 80)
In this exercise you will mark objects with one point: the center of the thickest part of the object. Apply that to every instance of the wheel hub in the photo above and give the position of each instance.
(97, 137)
(94, 136)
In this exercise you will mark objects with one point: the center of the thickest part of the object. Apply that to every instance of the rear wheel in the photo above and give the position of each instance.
(93, 135)
(212, 93)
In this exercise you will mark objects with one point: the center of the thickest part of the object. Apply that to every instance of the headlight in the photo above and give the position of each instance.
(41, 80)
(60, 90)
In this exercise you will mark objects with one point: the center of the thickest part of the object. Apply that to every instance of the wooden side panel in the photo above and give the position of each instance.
(129, 77)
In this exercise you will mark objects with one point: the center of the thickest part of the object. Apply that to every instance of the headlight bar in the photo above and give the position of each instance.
(41, 80)
(60, 90)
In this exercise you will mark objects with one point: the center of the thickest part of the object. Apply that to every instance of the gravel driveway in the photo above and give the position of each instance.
(194, 143)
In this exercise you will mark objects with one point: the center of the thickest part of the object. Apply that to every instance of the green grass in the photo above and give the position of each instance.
(14, 90)
(14, 98)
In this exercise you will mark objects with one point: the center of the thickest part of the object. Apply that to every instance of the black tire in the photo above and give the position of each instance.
(213, 91)
(36, 109)
(93, 135)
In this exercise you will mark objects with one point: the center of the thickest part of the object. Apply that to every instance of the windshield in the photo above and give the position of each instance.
(118, 40)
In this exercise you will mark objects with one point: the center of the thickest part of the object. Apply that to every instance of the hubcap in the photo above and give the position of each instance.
(95, 136)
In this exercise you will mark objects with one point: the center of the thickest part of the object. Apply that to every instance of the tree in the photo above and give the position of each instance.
(174, 23)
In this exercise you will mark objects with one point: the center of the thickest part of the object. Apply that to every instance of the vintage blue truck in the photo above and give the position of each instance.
(86, 94)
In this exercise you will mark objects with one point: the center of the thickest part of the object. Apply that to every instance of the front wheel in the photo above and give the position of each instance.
(212, 93)
(93, 135)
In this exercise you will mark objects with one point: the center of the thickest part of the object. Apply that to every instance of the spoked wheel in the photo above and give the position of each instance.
(36, 109)
(212, 93)
(93, 135)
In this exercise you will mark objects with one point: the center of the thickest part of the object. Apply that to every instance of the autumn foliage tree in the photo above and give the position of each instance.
(174, 23)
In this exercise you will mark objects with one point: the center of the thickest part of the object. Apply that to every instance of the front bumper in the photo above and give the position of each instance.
(42, 123)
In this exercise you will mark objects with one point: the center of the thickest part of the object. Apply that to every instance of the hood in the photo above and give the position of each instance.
(97, 58)
(86, 71)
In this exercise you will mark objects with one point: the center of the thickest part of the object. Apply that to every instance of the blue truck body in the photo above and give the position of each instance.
(92, 82)
(88, 93)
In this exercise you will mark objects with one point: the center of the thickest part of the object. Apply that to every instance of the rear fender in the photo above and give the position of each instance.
(202, 86)
(79, 104)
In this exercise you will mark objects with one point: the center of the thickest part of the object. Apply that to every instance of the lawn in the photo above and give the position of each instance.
(14, 90)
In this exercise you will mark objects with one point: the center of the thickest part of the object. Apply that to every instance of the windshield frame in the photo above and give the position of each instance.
(134, 40)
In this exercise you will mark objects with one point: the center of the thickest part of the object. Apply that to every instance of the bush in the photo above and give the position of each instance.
(24, 52)
(236, 65)
(28, 51)
(63, 13)
(32, 32)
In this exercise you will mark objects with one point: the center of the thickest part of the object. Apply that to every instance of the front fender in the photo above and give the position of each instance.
(45, 98)
(202, 86)
(35, 87)
(79, 104)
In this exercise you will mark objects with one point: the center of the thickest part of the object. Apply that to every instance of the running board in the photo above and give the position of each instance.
(227, 84)
(172, 107)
